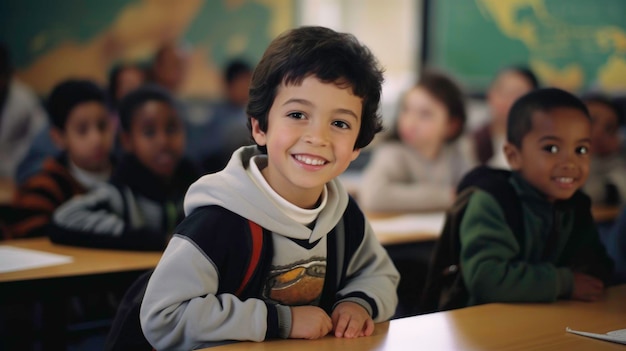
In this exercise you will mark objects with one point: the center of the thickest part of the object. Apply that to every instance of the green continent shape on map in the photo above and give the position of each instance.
(572, 49)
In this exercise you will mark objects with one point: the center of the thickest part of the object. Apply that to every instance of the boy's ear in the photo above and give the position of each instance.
(58, 138)
(513, 156)
(259, 136)
(355, 154)
(125, 140)
(454, 128)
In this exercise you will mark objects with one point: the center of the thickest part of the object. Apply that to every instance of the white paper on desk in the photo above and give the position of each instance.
(618, 336)
(410, 223)
(16, 259)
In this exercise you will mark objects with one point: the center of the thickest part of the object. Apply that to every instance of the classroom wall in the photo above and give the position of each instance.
(51, 41)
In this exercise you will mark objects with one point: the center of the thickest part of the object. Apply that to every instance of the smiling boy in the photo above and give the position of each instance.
(559, 254)
(313, 105)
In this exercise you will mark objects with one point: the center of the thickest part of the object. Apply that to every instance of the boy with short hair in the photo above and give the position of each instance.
(313, 105)
(560, 254)
(143, 202)
(82, 127)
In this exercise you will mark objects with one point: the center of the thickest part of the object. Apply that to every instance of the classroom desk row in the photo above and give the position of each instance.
(485, 327)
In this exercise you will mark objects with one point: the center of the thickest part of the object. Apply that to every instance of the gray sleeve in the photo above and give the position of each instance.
(99, 212)
(387, 187)
(181, 309)
(372, 273)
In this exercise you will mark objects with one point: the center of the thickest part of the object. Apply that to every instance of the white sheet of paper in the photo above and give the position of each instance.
(410, 223)
(618, 336)
(16, 259)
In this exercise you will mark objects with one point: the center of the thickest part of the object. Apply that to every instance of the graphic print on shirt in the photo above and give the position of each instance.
(298, 283)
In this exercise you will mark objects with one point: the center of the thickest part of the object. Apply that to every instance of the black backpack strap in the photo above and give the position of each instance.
(444, 287)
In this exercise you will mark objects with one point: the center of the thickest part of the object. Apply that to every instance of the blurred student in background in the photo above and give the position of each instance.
(123, 78)
(82, 128)
(606, 184)
(419, 167)
(228, 129)
(21, 118)
(169, 67)
(508, 86)
(143, 202)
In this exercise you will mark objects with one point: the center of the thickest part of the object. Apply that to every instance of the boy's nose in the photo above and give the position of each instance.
(316, 135)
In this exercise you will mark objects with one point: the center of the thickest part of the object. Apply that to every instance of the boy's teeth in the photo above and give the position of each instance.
(564, 179)
(309, 160)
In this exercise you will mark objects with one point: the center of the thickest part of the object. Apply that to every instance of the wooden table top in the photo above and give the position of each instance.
(485, 327)
(86, 261)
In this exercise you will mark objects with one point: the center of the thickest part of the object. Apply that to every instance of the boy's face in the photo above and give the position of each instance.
(87, 137)
(604, 129)
(310, 138)
(156, 137)
(554, 157)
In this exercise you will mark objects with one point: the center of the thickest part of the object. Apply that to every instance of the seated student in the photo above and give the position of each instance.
(229, 126)
(82, 127)
(420, 166)
(313, 103)
(606, 184)
(143, 202)
(509, 84)
(123, 78)
(560, 254)
(21, 117)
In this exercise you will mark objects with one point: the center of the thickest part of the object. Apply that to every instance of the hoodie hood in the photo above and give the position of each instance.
(235, 190)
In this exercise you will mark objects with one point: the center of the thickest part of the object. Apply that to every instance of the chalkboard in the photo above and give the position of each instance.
(573, 44)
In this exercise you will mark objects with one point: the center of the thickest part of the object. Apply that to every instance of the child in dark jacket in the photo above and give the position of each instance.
(143, 202)
(560, 255)
(82, 127)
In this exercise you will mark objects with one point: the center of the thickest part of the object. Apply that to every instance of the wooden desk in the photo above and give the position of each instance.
(92, 270)
(86, 261)
(486, 327)
(605, 213)
(395, 238)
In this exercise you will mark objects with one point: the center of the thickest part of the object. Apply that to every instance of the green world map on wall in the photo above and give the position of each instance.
(574, 44)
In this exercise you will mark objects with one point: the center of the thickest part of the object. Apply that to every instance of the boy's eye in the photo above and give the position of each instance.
(553, 149)
(582, 150)
(296, 115)
(341, 124)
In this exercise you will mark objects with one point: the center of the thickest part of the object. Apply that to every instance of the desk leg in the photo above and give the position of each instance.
(54, 317)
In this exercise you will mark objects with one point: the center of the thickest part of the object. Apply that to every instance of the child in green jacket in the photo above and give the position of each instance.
(560, 254)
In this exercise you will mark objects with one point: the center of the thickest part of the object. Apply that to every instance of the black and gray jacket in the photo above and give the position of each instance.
(136, 210)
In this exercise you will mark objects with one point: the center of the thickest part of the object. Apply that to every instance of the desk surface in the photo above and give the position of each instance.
(86, 261)
(605, 213)
(486, 327)
(404, 237)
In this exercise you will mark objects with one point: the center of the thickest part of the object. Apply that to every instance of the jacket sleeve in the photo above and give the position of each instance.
(33, 205)
(182, 309)
(489, 266)
(96, 219)
(386, 186)
(371, 278)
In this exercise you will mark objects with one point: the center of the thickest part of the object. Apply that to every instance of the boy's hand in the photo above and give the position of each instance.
(351, 320)
(586, 287)
(309, 322)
